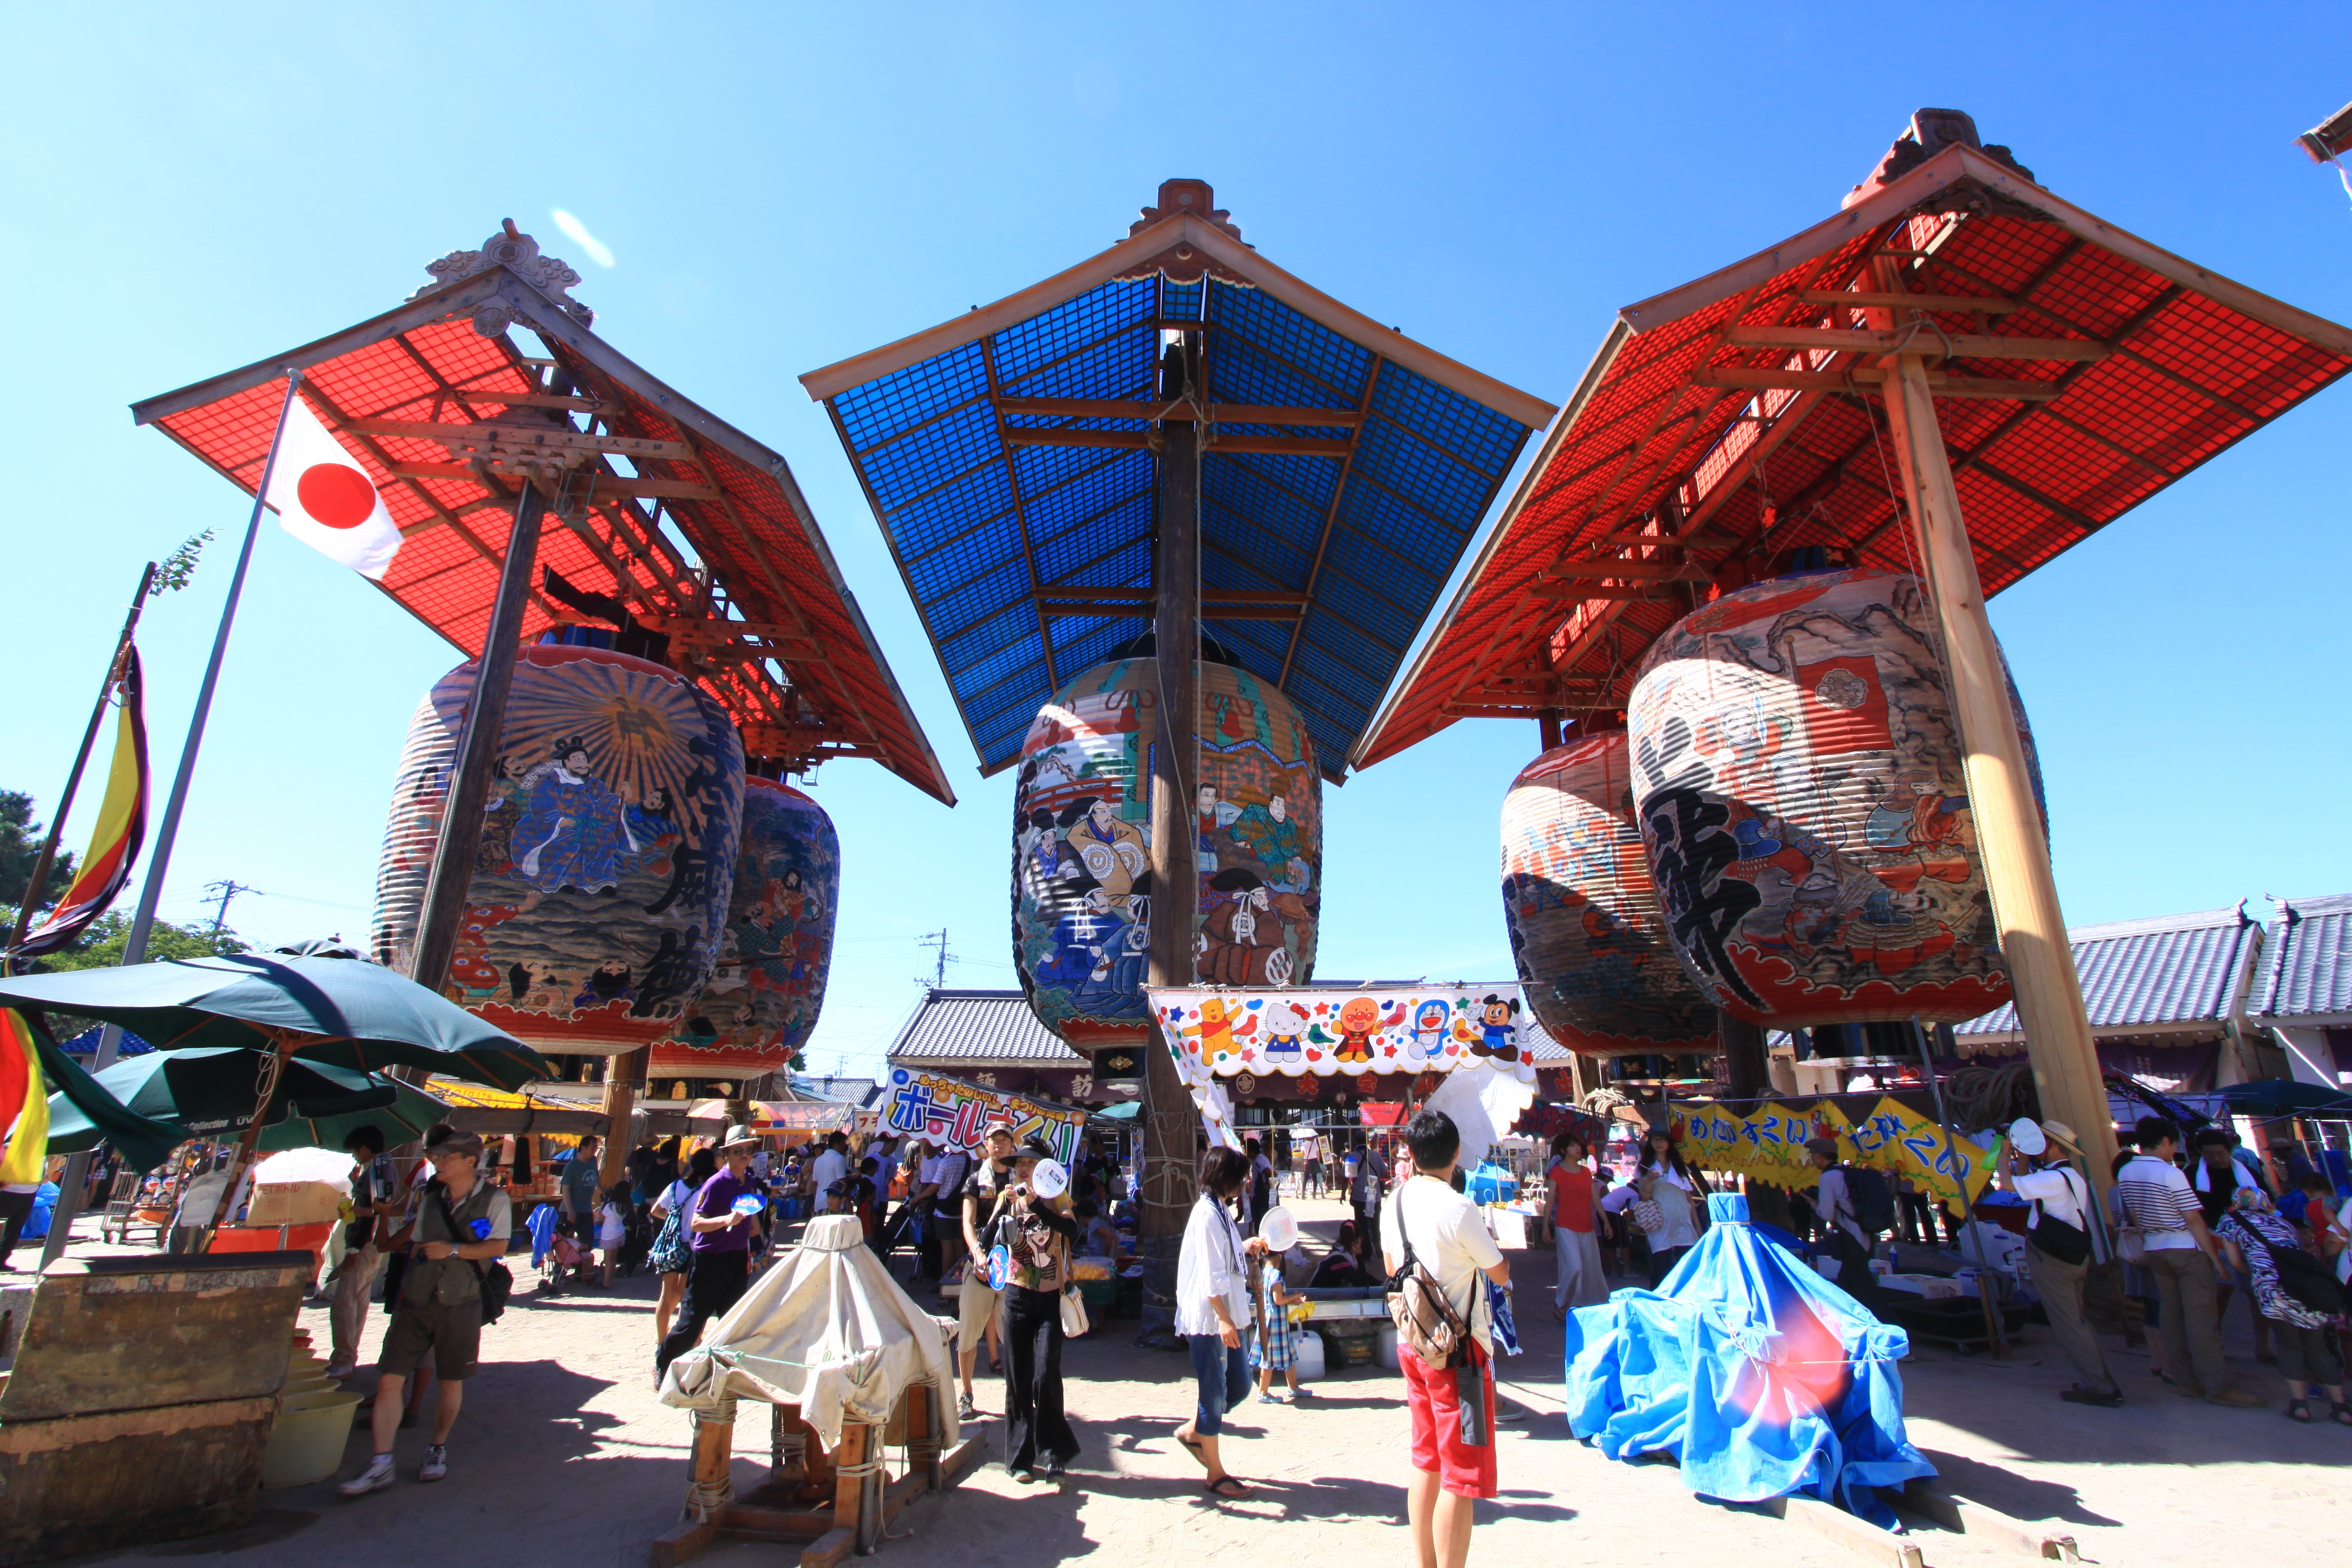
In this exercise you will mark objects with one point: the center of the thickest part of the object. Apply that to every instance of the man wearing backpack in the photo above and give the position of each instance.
(458, 1223)
(1858, 1207)
(2062, 1242)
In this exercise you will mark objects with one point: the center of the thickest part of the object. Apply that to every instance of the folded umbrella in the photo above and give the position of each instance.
(211, 1093)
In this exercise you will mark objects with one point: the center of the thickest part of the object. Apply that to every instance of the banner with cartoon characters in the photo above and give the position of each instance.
(948, 1111)
(1767, 1144)
(1343, 1033)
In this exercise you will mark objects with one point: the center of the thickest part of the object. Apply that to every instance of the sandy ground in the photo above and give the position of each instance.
(562, 1455)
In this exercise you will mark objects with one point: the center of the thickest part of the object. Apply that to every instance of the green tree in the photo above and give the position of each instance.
(102, 945)
(20, 845)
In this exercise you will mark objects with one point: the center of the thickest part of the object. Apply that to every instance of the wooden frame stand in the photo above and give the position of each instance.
(834, 1503)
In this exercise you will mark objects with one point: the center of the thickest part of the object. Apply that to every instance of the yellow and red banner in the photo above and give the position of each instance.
(121, 825)
(24, 1105)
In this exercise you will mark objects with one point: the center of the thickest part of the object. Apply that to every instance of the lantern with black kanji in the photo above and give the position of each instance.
(1586, 930)
(1797, 777)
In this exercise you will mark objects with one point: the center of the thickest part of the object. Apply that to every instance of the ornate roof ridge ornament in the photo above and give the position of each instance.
(1182, 262)
(519, 254)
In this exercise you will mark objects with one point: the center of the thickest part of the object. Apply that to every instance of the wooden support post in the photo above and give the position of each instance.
(625, 1079)
(1747, 1074)
(478, 751)
(1170, 1117)
(1547, 727)
(2010, 836)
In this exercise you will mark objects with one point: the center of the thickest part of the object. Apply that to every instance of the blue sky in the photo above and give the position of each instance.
(190, 189)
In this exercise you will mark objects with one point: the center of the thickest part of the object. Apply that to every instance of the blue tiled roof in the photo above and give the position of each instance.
(982, 525)
(2151, 973)
(2308, 972)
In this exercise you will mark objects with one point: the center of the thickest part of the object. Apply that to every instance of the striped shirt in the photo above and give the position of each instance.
(2159, 1199)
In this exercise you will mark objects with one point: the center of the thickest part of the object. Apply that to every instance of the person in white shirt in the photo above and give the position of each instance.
(831, 1167)
(1663, 1179)
(1442, 1231)
(1213, 1300)
(2183, 1258)
(2062, 1243)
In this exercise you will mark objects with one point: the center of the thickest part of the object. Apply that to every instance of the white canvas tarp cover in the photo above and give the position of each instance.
(826, 1328)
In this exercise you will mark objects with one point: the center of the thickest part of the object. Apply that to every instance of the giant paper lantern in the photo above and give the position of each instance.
(600, 890)
(1586, 930)
(762, 1001)
(1082, 846)
(1797, 771)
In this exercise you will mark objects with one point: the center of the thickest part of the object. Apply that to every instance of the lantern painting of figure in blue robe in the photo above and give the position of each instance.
(597, 903)
(762, 998)
(1081, 888)
(1797, 774)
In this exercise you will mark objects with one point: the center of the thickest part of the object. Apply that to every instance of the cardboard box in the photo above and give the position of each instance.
(296, 1203)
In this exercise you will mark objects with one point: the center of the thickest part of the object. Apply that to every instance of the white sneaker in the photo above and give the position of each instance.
(437, 1463)
(374, 1478)
(341, 1370)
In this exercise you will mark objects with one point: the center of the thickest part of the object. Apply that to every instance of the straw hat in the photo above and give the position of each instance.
(738, 1137)
(2058, 1133)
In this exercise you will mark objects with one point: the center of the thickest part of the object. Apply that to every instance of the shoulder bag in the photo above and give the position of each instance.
(496, 1280)
(2053, 1236)
(1426, 1322)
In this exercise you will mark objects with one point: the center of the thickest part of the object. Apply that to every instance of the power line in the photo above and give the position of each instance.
(221, 893)
(937, 938)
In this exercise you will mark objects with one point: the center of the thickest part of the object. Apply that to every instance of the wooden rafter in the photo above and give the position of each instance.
(1020, 512)
(1330, 522)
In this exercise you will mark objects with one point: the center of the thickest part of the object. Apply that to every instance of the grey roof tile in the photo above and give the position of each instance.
(2308, 972)
(2174, 968)
(979, 1026)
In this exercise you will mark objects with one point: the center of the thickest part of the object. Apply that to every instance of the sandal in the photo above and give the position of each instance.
(2299, 1410)
(1194, 1446)
(1227, 1487)
(2340, 1412)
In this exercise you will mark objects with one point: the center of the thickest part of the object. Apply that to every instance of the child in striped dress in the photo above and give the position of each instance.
(1273, 1338)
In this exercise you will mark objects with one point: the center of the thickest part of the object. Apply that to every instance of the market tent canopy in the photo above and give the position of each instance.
(1726, 424)
(446, 420)
(1008, 456)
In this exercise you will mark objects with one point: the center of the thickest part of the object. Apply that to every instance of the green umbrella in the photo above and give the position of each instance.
(356, 1015)
(210, 1092)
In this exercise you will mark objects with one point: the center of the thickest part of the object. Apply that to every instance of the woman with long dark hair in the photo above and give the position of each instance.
(700, 1167)
(1037, 1232)
(1211, 1304)
(1662, 1197)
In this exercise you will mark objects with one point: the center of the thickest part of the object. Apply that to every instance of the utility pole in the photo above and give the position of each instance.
(937, 938)
(220, 894)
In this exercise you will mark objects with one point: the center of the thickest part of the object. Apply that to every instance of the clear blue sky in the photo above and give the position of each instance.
(188, 189)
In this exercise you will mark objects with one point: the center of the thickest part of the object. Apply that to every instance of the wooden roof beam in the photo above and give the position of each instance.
(1956, 346)
(1869, 377)
(606, 484)
(1992, 304)
(1175, 413)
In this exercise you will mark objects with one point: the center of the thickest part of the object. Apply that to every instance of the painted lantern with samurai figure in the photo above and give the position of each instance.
(1082, 852)
(763, 995)
(1797, 775)
(599, 892)
(1586, 930)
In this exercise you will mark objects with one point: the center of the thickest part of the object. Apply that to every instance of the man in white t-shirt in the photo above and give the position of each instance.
(2184, 1259)
(1444, 1233)
(831, 1166)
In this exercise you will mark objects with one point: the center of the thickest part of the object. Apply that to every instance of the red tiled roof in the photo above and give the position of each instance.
(731, 501)
(2178, 364)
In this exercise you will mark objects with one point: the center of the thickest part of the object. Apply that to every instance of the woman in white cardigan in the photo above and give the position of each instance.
(1211, 1304)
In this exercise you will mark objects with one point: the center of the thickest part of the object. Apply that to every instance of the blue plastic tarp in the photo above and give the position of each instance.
(1760, 1377)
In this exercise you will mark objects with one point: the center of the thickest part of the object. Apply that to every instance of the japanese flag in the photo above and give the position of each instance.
(325, 499)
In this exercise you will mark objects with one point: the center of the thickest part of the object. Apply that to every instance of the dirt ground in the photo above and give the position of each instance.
(563, 1456)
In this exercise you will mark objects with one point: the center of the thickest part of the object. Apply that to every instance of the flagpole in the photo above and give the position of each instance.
(134, 948)
(73, 779)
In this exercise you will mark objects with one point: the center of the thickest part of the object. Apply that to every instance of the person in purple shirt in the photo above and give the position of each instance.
(721, 1245)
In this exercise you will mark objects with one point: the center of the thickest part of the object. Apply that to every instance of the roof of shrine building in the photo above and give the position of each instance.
(667, 522)
(1724, 425)
(2180, 977)
(1009, 456)
(2307, 976)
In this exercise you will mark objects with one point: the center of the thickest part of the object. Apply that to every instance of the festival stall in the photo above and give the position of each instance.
(850, 1368)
